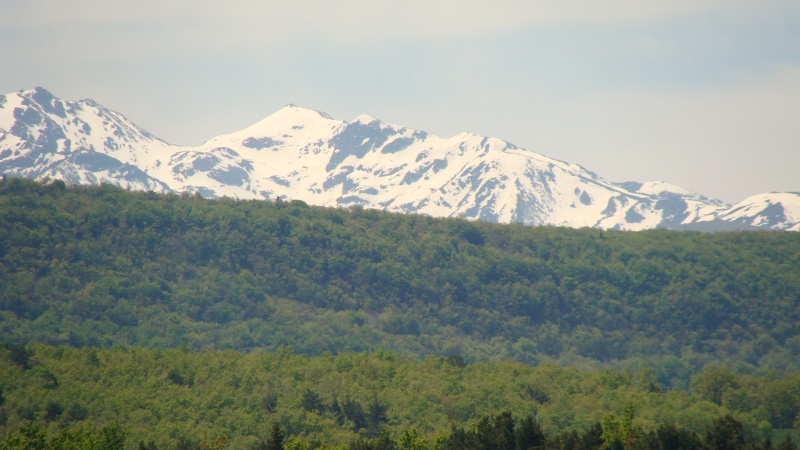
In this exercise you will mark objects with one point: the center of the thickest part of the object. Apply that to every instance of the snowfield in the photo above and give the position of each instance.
(299, 153)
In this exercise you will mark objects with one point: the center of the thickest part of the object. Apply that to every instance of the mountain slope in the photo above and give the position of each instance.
(102, 266)
(79, 142)
(779, 211)
(307, 155)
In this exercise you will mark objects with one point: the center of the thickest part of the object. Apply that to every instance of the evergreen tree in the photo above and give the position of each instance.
(275, 440)
(787, 443)
(670, 436)
(726, 433)
(529, 434)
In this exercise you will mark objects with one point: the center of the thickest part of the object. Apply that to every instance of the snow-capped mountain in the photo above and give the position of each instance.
(773, 211)
(79, 142)
(307, 155)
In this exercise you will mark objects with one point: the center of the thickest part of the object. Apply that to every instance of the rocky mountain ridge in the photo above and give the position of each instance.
(303, 154)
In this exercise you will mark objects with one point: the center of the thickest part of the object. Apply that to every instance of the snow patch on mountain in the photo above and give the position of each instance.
(304, 154)
(776, 211)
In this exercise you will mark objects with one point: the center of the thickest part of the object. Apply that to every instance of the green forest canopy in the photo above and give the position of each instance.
(175, 396)
(101, 266)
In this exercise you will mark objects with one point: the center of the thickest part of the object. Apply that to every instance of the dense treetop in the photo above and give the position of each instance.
(184, 322)
(101, 266)
(193, 396)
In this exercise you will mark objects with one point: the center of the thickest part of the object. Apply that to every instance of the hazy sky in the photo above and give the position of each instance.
(704, 94)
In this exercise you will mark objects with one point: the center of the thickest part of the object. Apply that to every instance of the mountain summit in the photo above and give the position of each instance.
(307, 155)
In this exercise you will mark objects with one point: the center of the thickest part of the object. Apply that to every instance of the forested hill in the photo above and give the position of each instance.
(101, 266)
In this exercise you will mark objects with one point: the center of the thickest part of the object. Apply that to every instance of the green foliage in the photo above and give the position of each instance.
(32, 437)
(787, 443)
(101, 266)
(52, 411)
(29, 437)
(362, 398)
(382, 442)
(20, 356)
(411, 440)
(727, 433)
(621, 431)
(275, 440)
(713, 383)
(128, 287)
(670, 436)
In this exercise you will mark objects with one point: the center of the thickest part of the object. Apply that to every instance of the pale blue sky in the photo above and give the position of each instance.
(704, 94)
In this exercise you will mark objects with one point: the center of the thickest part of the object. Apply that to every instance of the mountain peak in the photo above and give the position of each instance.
(307, 155)
(37, 90)
(654, 187)
(39, 95)
(365, 120)
(290, 117)
(292, 109)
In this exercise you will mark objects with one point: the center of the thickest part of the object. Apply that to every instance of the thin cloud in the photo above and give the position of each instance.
(346, 20)
(148, 28)
(600, 83)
